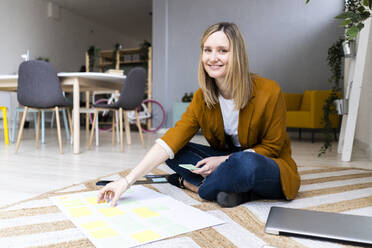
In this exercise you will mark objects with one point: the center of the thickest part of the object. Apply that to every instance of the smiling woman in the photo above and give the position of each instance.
(224, 64)
(215, 56)
(242, 116)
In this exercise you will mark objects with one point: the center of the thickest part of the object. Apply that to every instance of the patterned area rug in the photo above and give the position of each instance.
(37, 222)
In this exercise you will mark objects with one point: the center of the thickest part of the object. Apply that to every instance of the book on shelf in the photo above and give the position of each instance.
(116, 72)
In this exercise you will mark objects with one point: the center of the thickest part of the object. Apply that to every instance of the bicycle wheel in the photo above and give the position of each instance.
(103, 116)
(158, 116)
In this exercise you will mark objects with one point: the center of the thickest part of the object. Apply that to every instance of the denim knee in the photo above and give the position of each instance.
(243, 172)
(247, 160)
(244, 163)
(233, 175)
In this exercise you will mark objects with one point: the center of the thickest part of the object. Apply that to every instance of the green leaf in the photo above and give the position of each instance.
(343, 15)
(345, 22)
(307, 1)
(360, 26)
(365, 15)
(352, 32)
(348, 15)
(361, 9)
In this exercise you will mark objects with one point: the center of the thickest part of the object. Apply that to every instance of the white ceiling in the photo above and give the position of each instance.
(125, 16)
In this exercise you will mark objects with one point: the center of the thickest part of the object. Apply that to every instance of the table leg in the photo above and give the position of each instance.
(76, 115)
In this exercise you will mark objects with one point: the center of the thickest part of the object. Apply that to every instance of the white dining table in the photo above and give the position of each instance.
(74, 82)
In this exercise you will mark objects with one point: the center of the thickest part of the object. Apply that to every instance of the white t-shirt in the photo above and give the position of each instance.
(230, 117)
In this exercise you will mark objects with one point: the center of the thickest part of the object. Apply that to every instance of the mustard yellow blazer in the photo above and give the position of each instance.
(262, 127)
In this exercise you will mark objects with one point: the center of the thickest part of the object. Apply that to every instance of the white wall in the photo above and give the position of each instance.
(363, 134)
(24, 24)
(286, 41)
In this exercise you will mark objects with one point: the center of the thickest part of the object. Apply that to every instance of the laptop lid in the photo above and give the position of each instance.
(343, 227)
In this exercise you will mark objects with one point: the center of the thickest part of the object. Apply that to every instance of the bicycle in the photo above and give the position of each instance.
(157, 115)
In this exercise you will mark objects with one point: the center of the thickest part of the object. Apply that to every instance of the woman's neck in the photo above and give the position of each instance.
(224, 91)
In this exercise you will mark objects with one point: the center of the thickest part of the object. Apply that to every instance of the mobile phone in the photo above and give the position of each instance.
(188, 166)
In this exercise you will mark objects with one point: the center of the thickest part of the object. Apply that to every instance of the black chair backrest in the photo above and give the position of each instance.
(39, 86)
(133, 91)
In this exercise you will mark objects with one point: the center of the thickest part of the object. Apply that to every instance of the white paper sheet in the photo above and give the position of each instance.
(141, 216)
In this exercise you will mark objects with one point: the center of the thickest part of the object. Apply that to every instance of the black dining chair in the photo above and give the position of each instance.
(39, 89)
(131, 95)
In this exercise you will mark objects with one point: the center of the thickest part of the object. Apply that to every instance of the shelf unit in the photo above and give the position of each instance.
(124, 57)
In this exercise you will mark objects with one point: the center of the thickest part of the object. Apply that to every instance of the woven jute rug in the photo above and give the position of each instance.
(37, 222)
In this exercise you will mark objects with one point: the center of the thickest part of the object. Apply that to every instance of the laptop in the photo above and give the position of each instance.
(331, 226)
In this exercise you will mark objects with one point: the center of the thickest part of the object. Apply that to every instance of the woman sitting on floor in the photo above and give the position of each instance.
(242, 116)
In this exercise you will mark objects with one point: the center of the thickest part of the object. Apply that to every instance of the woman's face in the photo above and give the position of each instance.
(215, 56)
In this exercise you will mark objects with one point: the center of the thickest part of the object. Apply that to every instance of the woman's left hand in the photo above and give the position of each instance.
(210, 164)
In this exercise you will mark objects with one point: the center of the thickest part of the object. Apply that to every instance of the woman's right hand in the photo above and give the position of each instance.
(113, 191)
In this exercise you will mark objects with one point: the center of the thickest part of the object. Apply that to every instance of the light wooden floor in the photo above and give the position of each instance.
(32, 172)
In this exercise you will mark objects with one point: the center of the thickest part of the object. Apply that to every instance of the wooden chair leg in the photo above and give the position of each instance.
(65, 124)
(117, 127)
(93, 126)
(140, 129)
(113, 127)
(299, 133)
(20, 132)
(87, 103)
(97, 132)
(70, 124)
(127, 128)
(37, 129)
(121, 128)
(59, 130)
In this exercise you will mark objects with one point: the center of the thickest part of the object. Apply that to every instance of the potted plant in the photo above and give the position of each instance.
(334, 59)
(117, 48)
(93, 54)
(354, 14)
(144, 48)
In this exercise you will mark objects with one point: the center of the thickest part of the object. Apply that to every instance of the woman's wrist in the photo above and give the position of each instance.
(126, 181)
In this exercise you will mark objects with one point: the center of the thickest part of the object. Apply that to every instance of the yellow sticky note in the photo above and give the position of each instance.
(72, 203)
(92, 200)
(80, 212)
(94, 225)
(145, 212)
(145, 236)
(103, 233)
(108, 212)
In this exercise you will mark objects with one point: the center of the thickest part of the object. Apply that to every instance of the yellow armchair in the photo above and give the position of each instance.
(306, 110)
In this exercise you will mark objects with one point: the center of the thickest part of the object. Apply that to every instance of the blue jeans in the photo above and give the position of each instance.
(241, 172)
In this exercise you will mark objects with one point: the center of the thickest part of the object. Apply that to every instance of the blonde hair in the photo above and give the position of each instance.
(238, 78)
